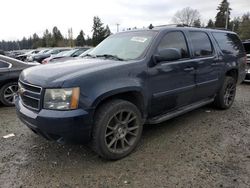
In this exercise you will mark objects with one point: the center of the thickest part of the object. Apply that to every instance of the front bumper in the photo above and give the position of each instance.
(61, 126)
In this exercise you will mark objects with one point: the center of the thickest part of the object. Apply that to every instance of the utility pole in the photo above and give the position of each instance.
(227, 15)
(117, 26)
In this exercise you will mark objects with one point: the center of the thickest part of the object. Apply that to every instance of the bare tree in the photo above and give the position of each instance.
(186, 16)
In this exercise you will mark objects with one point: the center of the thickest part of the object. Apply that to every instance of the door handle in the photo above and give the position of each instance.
(189, 69)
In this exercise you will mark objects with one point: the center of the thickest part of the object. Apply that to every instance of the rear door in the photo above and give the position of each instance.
(207, 65)
(172, 82)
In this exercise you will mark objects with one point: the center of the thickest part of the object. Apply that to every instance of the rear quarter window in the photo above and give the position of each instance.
(201, 44)
(228, 43)
(4, 65)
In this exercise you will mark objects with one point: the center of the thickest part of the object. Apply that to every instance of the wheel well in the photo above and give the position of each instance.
(233, 73)
(134, 97)
(7, 81)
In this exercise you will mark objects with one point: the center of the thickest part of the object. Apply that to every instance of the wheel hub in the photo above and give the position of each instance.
(121, 132)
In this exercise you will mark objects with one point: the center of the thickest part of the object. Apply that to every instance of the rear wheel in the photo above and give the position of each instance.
(117, 129)
(226, 95)
(8, 92)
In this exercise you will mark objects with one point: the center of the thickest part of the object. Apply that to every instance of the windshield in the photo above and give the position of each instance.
(43, 51)
(125, 46)
(63, 53)
(68, 53)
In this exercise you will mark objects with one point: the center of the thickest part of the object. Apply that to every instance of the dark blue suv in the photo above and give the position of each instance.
(131, 78)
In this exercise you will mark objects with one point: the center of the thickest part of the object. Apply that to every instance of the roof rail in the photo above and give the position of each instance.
(173, 25)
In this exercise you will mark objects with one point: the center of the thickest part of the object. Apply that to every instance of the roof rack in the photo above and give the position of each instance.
(173, 25)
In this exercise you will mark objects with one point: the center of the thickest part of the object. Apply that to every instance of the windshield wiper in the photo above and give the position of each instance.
(89, 55)
(110, 56)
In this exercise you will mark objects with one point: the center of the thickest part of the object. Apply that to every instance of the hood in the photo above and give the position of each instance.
(54, 75)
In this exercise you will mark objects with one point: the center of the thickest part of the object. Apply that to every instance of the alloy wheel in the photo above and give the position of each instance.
(9, 94)
(121, 131)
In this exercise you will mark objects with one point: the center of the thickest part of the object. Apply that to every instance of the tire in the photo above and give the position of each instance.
(7, 93)
(226, 95)
(117, 129)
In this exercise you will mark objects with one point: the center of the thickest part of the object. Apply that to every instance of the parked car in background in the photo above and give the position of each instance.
(23, 57)
(131, 78)
(10, 70)
(61, 57)
(247, 49)
(55, 56)
(30, 57)
(40, 57)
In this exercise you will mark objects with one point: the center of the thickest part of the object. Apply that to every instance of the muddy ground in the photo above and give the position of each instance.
(204, 148)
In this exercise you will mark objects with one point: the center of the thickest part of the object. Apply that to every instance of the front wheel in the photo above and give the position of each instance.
(117, 129)
(226, 95)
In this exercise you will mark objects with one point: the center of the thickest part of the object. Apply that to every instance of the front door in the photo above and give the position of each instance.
(172, 83)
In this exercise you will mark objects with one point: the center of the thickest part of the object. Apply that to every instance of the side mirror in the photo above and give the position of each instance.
(168, 54)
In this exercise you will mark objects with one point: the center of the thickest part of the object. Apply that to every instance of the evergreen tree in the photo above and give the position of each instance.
(80, 40)
(107, 31)
(98, 31)
(244, 27)
(57, 37)
(197, 23)
(221, 17)
(47, 39)
(210, 24)
(89, 41)
(150, 26)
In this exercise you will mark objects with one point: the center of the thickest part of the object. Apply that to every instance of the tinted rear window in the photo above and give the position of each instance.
(247, 47)
(229, 43)
(201, 44)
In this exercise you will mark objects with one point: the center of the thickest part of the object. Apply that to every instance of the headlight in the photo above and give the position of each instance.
(61, 99)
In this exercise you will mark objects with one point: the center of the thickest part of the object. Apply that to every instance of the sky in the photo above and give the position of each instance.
(22, 18)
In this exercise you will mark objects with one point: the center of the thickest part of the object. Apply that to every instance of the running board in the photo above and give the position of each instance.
(183, 110)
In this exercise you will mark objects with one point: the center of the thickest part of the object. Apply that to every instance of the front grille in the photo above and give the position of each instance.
(30, 95)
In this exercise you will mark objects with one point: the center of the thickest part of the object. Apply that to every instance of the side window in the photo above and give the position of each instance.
(228, 43)
(177, 40)
(3, 65)
(201, 44)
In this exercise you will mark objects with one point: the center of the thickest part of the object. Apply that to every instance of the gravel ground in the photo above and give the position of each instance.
(204, 148)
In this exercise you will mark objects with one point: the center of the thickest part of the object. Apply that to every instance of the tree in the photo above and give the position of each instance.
(150, 26)
(47, 39)
(244, 27)
(210, 24)
(98, 31)
(57, 38)
(70, 41)
(80, 40)
(234, 25)
(35, 41)
(89, 41)
(197, 23)
(222, 18)
(107, 31)
(186, 16)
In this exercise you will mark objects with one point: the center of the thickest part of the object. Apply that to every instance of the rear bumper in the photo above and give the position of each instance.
(61, 126)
